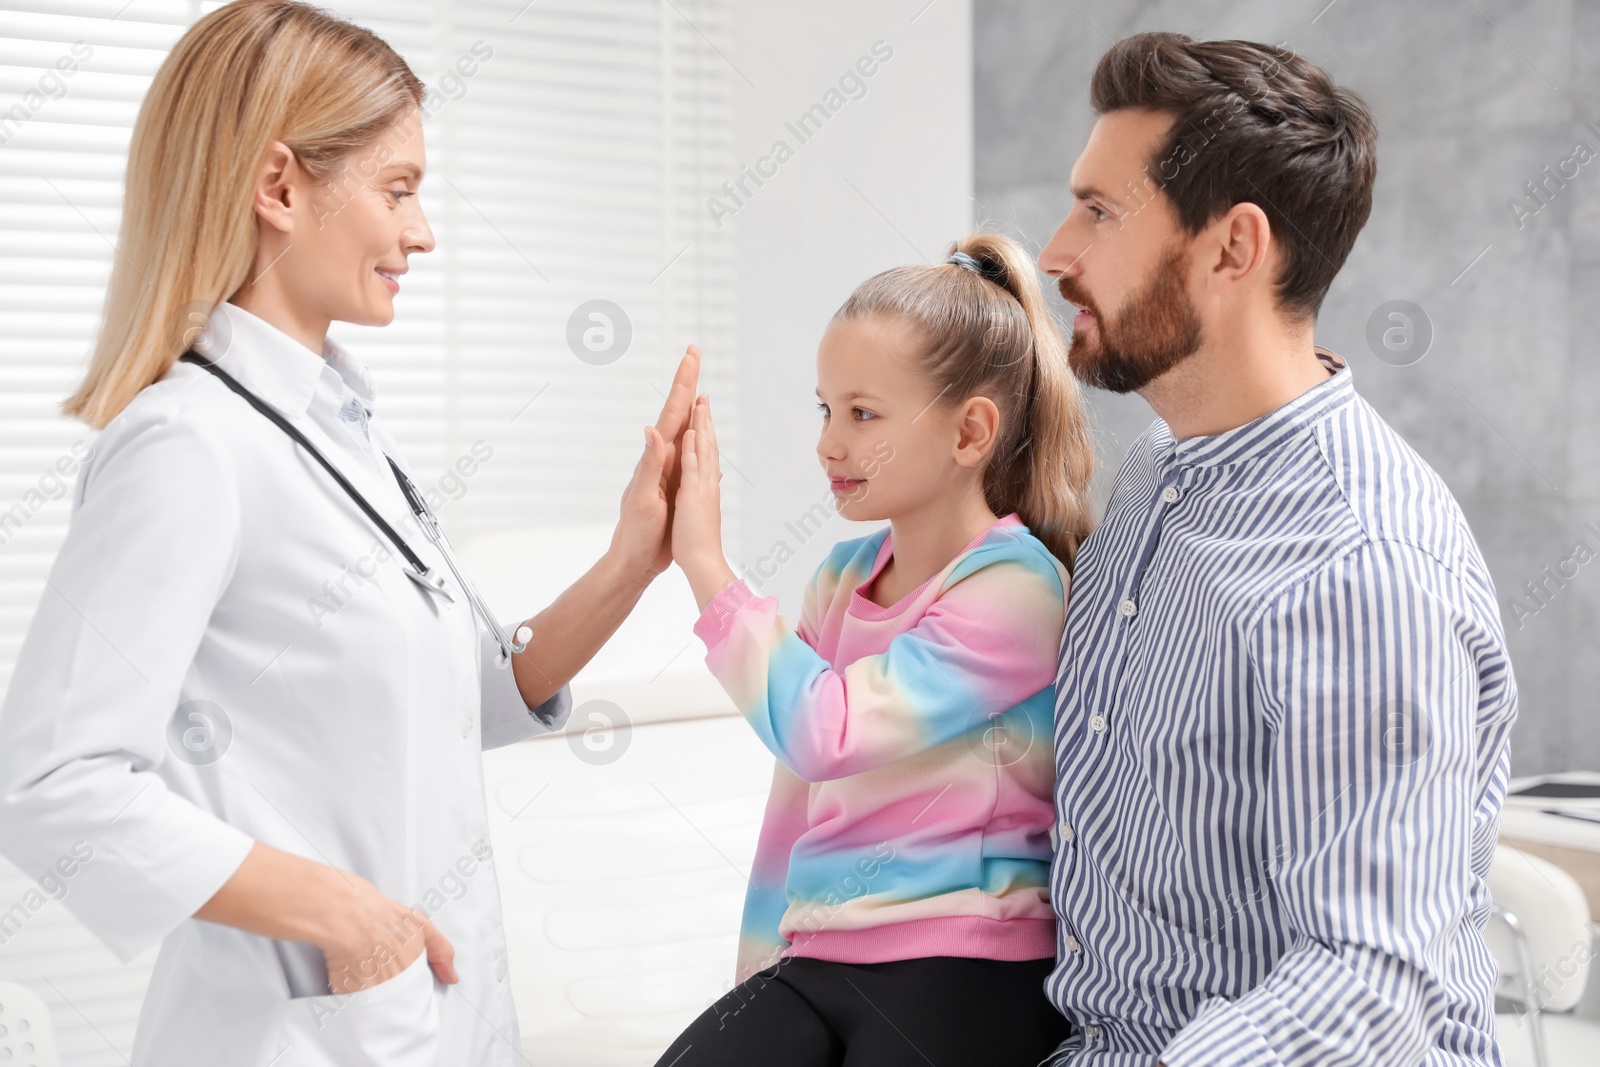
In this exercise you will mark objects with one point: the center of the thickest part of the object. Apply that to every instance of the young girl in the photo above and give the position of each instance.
(899, 909)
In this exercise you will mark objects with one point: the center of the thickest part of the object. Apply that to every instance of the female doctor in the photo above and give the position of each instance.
(273, 791)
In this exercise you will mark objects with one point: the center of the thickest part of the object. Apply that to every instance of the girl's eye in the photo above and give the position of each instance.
(401, 194)
(854, 411)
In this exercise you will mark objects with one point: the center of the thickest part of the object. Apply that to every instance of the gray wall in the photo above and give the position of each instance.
(1472, 101)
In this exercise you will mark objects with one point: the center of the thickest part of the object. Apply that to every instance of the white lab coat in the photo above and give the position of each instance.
(204, 552)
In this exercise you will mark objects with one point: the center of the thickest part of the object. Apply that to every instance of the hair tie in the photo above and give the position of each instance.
(964, 260)
(968, 263)
(995, 273)
(988, 274)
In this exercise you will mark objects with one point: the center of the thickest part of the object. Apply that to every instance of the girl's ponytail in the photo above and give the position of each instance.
(1045, 476)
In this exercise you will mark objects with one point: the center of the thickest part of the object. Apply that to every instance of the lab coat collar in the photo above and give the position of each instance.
(351, 370)
(285, 373)
(275, 366)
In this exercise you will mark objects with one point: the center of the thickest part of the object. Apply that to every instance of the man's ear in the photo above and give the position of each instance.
(1243, 246)
(979, 426)
(279, 181)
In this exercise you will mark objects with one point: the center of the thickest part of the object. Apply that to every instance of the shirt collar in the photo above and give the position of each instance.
(275, 366)
(1263, 434)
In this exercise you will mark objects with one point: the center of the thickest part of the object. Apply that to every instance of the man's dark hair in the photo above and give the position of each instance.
(1253, 124)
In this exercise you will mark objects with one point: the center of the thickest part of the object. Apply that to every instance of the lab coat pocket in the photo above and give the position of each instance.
(392, 1024)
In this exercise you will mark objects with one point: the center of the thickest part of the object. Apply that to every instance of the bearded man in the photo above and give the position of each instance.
(1284, 700)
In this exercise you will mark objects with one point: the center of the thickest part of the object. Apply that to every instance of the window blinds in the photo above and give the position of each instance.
(570, 147)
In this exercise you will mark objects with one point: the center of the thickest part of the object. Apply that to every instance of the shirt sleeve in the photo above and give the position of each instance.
(1368, 676)
(506, 717)
(151, 544)
(986, 644)
(809, 625)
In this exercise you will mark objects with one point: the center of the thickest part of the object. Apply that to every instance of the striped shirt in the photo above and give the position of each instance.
(1282, 721)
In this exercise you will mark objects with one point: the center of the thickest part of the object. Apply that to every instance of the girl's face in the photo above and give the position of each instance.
(887, 447)
(351, 240)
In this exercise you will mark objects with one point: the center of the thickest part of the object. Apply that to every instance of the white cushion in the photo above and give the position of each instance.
(623, 881)
(27, 1037)
(1555, 915)
(653, 667)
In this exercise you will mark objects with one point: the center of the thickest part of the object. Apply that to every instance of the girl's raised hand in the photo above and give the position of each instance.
(697, 514)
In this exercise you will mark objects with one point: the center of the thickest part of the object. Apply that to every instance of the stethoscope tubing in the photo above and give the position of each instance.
(416, 569)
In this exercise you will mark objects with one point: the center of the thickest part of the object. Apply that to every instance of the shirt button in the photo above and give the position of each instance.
(466, 726)
(500, 971)
(1097, 723)
(1128, 608)
(1066, 832)
(1092, 1032)
(1072, 943)
(1170, 494)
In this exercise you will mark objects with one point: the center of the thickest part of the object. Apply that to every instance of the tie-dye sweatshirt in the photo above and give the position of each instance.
(911, 804)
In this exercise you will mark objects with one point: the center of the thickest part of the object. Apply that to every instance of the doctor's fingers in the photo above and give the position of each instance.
(680, 397)
(654, 457)
(441, 954)
(383, 938)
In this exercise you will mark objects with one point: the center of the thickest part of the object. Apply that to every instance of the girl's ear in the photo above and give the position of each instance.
(976, 431)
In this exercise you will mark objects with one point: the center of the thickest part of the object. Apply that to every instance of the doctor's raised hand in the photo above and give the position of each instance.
(253, 702)
(648, 502)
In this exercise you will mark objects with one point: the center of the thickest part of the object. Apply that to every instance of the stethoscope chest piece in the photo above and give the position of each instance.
(430, 582)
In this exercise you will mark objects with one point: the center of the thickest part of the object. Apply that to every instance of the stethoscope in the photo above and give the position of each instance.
(415, 569)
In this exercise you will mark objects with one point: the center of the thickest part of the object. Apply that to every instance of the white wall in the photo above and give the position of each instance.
(887, 180)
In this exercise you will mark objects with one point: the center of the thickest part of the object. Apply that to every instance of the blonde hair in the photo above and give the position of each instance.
(249, 73)
(988, 332)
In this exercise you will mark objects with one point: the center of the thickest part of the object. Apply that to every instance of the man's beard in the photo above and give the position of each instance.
(1157, 329)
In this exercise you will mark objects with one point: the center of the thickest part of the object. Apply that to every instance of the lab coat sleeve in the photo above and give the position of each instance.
(152, 543)
(506, 716)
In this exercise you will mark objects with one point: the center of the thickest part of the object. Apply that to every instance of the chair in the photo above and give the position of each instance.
(27, 1037)
(1539, 932)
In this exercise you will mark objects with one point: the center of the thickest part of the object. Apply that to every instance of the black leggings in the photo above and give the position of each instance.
(947, 1011)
